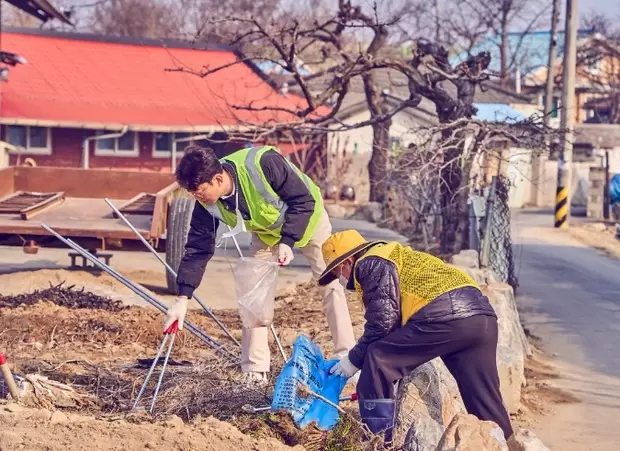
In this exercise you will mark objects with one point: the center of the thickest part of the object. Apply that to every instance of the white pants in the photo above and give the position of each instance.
(255, 355)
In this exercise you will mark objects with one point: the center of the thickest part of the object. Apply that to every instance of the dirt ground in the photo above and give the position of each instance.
(540, 397)
(101, 347)
(599, 236)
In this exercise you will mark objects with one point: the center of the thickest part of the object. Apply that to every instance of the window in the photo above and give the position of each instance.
(30, 140)
(555, 105)
(163, 142)
(122, 146)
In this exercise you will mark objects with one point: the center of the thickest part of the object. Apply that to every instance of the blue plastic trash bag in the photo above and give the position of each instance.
(614, 189)
(308, 368)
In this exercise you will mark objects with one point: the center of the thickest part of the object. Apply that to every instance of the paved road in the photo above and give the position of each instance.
(574, 289)
(569, 296)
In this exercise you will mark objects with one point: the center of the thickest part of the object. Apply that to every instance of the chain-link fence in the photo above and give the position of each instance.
(490, 217)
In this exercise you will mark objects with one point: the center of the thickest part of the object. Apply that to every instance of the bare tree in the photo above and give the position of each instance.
(429, 74)
(13, 17)
(138, 18)
(598, 65)
(466, 23)
(600, 23)
(419, 174)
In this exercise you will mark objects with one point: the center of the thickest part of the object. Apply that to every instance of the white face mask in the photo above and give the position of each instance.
(343, 281)
(240, 226)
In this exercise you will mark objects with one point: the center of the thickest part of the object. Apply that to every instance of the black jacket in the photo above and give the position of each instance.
(381, 297)
(200, 245)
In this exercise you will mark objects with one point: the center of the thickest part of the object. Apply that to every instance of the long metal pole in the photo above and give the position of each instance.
(565, 162)
(151, 369)
(273, 330)
(139, 291)
(172, 271)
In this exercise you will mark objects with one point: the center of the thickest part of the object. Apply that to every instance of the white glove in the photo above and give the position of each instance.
(285, 254)
(177, 312)
(344, 368)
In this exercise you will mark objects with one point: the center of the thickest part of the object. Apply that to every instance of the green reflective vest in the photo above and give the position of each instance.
(267, 210)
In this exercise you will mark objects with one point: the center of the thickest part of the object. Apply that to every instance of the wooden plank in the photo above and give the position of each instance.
(11, 196)
(160, 212)
(129, 202)
(7, 181)
(88, 218)
(90, 183)
(37, 230)
(44, 205)
(20, 200)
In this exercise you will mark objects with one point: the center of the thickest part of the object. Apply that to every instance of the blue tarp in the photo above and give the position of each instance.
(308, 368)
(498, 112)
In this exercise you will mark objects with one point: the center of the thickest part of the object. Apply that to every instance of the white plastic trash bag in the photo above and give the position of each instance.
(255, 283)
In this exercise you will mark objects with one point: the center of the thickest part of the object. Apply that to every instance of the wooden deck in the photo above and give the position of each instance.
(78, 218)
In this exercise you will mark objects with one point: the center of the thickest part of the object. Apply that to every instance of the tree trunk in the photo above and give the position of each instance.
(503, 57)
(378, 164)
(451, 181)
(455, 194)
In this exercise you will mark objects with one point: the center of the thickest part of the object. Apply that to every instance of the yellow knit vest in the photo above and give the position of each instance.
(423, 277)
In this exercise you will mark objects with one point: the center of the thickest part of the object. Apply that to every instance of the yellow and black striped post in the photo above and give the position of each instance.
(561, 207)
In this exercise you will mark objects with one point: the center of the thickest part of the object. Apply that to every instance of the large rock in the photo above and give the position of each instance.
(423, 435)
(525, 440)
(336, 211)
(511, 369)
(511, 332)
(513, 346)
(373, 212)
(466, 259)
(428, 399)
(482, 276)
(467, 433)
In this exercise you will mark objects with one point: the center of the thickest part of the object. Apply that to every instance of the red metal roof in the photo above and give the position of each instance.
(80, 81)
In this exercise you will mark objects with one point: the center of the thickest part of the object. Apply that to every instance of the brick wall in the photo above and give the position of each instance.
(67, 152)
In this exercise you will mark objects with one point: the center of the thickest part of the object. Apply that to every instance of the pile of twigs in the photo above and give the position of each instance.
(209, 389)
(64, 297)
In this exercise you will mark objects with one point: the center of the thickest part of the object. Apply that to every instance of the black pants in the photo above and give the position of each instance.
(468, 348)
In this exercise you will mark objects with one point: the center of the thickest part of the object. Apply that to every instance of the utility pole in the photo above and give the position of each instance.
(538, 159)
(565, 160)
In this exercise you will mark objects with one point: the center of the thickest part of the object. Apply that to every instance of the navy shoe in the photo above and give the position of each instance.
(378, 416)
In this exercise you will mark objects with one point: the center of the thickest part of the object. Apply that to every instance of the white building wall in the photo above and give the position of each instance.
(357, 146)
(581, 173)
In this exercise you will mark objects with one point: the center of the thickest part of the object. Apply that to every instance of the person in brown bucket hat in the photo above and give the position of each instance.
(417, 308)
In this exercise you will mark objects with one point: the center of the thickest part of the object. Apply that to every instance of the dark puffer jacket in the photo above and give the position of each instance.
(379, 280)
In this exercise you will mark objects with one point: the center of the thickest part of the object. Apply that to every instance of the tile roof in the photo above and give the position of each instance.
(605, 136)
(81, 80)
(531, 49)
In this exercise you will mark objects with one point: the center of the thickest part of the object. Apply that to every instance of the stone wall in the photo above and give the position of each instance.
(430, 409)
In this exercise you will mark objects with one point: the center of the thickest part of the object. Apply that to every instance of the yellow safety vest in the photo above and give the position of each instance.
(422, 277)
(267, 210)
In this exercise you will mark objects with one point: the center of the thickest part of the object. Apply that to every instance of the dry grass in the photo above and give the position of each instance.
(98, 347)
